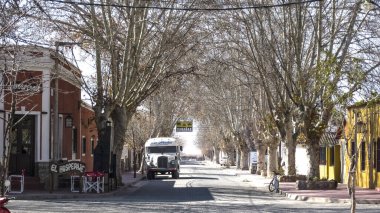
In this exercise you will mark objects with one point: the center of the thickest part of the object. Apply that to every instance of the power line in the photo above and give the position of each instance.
(256, 6)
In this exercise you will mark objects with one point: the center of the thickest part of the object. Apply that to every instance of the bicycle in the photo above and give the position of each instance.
(274, 183)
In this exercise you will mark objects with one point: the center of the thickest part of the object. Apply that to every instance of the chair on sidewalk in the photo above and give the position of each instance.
(75, 182)
(93, 181)
(16, 181)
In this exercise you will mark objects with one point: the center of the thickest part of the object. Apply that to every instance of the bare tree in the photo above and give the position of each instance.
(135, 50)
(309, 48)
(16, 84)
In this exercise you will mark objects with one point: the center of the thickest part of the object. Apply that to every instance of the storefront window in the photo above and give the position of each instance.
(83, 145)
(363, 157)
(377, 149)
(92, 145)
(322, 155)
(332, 157)
(74, 139)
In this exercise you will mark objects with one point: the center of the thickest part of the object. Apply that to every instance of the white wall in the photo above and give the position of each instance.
(301, 161)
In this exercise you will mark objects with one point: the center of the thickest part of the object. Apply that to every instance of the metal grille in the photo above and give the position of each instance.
(162, 162)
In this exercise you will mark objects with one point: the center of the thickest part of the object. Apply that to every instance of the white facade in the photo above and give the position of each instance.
(302, 166)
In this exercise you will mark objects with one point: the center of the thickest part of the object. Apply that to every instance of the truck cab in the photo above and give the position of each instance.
(162, 156)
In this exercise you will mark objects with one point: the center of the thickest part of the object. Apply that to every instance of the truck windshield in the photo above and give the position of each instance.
(162, 149)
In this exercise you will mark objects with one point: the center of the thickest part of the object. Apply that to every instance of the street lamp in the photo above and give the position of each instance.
(361, 126)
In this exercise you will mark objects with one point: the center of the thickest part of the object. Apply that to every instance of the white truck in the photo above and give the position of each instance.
(162, 155)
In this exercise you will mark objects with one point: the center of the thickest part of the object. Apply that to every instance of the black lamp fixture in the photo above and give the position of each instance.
(362, 127)
(69, 121)
(360, 124)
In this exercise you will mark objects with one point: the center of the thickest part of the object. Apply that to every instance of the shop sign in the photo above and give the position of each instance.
(29, 88)
(72, 166)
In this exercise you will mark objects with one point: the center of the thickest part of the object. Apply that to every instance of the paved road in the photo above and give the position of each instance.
(201, 188)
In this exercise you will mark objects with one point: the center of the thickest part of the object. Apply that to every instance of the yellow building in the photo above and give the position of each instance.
(362, 139)
(330, 158)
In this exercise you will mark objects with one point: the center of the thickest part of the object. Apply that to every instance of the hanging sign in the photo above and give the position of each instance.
(184, 126)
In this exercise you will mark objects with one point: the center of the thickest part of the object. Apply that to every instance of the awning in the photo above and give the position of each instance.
(329, 139)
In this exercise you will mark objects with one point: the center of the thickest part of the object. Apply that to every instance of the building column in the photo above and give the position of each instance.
(43, 147)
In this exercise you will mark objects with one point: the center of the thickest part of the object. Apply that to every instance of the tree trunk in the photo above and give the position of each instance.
(142, 162)
(260, 158)
(216, 154)
(244, 160)
(238, 152)
(353, 198)
(272, 162)
(291, 144)
(291, 159)
(352, 180)
(312, 151)
(243, 154)
(120, 118)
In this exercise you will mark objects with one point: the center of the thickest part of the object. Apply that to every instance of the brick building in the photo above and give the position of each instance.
(34, 145)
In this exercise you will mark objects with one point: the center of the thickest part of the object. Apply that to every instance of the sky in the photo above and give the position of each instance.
(190, 147)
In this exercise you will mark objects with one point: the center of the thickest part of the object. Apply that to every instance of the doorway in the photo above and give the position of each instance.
(22, 146)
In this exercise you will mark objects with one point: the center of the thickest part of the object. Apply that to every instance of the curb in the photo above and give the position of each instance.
(294, 196)
(71, 195)
(315, 199)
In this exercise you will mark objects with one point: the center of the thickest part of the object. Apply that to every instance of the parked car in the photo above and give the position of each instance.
(223, 161)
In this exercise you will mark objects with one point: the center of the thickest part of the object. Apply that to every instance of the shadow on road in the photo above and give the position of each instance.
(165, 191)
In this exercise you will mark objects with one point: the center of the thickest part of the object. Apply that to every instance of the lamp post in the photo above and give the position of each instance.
(55, 110)
(56, 93)
(134, 154)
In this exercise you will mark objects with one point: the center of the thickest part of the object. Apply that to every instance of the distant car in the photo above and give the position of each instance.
(223, 161)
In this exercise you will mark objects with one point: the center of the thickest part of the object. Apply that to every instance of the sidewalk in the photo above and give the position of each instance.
(340, 195)
(127, 179)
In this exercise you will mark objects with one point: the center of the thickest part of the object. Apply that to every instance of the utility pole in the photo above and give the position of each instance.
(56, 100)
(134, 154)
(55, 109)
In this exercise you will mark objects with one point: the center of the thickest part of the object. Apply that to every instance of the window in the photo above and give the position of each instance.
(162, 149)
(332, 156)
(362, 157)
(373, 153)
(92, 145)
(353, 147)
(378, 155)
(83, 145)
(322, 155)
(74, 139)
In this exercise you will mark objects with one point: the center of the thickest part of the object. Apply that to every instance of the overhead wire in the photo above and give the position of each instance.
(256, 6)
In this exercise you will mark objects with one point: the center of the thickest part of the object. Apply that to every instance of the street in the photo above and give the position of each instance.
(201, 188)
